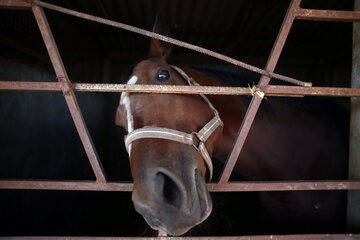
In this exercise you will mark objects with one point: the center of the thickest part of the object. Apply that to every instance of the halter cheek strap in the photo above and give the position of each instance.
(182, 137)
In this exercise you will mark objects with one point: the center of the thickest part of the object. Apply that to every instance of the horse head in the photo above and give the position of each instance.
(168, 174)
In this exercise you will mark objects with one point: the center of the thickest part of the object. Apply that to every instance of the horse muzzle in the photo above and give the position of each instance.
(172, 203)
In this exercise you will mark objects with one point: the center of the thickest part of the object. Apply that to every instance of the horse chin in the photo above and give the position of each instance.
(176, 220)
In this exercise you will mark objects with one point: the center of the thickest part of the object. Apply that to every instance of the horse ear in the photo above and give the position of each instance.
(159, 48)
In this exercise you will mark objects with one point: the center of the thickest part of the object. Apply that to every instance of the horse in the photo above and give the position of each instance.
(169, 159)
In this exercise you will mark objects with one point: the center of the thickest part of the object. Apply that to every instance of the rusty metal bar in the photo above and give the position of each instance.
(174, 89)
(240, 140)
(256, 100)
(66, 185)
(288, 91)
(263, 237)
(270, 90)
(169, 40)
(212, 187)
(327, 15)
(280, 40)
(284, 186)
(15, 4)
(68, 92)
(30, 86)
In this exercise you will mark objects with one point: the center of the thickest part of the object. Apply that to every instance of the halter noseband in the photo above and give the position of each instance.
(182, 137)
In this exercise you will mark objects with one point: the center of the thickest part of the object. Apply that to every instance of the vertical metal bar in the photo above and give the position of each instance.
(68, 93)
(353, 197)
(256, 100)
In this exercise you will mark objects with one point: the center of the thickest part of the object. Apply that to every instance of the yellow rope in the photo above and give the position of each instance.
(255, 90)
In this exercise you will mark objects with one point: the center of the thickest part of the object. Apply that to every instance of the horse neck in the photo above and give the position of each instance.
(293, 127)
(232, 110)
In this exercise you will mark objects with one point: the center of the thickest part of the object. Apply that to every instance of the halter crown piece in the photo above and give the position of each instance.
(182, 137)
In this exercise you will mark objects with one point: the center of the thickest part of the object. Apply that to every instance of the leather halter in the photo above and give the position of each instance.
(200, 137)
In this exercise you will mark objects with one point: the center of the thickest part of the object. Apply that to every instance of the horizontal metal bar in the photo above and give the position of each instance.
(169, 40)
(284, 186)
(327, 15)
(15, 4)
(212, 187)
(98, 87)
(264, 237)
(271, 90)
(174, 89)
(30, 86)
(66, 185)
(294, 91)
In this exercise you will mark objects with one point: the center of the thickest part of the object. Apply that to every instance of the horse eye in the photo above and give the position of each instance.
(163, 75)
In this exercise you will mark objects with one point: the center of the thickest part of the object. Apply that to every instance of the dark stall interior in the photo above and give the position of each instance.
(39, 140)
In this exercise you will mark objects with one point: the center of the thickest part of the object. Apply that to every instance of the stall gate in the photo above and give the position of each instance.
(295, 12)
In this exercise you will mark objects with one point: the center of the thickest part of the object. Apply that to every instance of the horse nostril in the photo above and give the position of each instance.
(168, 190)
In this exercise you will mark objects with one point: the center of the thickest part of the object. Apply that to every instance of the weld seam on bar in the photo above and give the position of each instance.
(256, 100)
(68, 93)
(327, 15)
(169, 40)
(212, 187)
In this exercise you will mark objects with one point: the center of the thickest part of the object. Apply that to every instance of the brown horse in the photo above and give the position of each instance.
(169, 175)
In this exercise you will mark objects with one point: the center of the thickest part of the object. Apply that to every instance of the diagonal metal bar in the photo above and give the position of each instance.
(68, 93)
(169, 40)
(280, 40)
(256, 100)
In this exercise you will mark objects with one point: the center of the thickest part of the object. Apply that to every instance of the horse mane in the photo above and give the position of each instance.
(226, 76)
